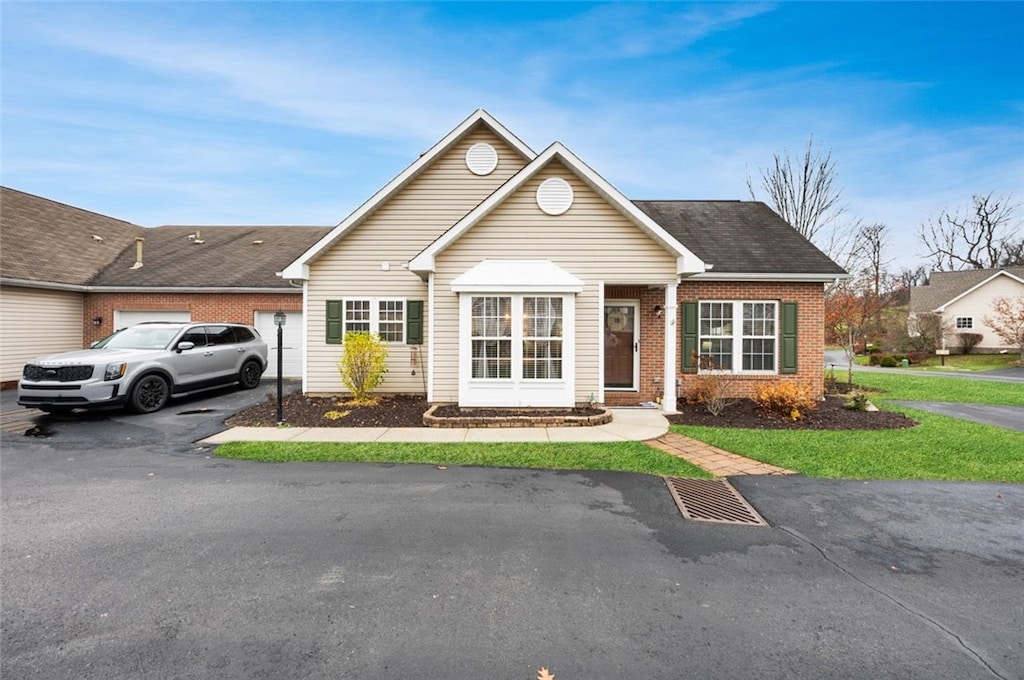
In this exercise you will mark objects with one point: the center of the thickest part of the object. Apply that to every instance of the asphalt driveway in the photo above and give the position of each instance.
(128, 552)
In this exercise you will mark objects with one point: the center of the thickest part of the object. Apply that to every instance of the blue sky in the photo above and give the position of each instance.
(295, 113)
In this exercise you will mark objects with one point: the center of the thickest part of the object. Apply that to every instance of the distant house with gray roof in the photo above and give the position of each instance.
(964, 299)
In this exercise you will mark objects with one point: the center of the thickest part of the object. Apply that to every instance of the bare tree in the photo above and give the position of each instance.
(871, 241)
(983, 236)
(804, 192)
(1013, 253)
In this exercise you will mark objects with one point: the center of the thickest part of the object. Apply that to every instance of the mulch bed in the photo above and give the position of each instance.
(407, 411)
(831, 414)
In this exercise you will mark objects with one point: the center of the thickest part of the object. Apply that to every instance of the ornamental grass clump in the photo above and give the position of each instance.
(362, 365)
(788, 399)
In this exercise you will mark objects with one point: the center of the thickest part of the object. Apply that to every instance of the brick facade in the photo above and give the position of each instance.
(810, 299)
(233, 307)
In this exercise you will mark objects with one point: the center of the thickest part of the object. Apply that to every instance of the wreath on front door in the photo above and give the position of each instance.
(616, 321)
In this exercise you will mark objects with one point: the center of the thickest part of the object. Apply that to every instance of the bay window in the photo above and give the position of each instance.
(516, 337)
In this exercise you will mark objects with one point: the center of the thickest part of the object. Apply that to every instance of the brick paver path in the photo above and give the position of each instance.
(716, 461)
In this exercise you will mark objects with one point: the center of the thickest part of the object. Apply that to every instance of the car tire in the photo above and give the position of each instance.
(249, 376)
(150, 394)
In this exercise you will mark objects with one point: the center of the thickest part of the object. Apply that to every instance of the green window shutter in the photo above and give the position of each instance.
(690, 328)
(334, 325)
(788, 354)
(414, 322)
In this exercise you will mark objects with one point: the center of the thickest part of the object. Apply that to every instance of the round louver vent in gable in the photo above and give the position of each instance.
(554, 196)
(481, 159)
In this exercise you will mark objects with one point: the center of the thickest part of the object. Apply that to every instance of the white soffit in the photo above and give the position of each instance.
(554, 196)
(516, 276)
(481, 158)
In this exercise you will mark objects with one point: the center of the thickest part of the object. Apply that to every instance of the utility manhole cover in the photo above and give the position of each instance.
(712, 500)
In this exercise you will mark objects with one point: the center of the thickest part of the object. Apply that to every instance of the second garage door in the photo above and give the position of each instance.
(292, 343)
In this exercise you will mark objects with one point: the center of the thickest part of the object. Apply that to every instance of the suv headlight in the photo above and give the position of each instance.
(114, 371)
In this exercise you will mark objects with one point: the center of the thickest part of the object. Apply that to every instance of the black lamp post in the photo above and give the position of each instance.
(279, 320)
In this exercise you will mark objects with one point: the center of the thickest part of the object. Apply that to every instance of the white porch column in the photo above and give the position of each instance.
(668, 397)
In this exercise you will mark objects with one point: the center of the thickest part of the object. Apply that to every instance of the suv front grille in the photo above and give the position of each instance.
(37, 373)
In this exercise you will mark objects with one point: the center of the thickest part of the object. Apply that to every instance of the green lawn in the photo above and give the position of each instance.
(960, 362)
(625, 456)
(939, 448)
(901, 386)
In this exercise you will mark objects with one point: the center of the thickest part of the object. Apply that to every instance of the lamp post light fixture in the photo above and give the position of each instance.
(279, 320)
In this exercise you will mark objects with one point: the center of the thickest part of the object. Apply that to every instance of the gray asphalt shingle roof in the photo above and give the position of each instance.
(221, 257)
(944, 286)
(45, 241)
(739, 237)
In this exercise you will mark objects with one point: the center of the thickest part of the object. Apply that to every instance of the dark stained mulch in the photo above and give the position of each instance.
(407, 411)
(302, 411)
(830, 415)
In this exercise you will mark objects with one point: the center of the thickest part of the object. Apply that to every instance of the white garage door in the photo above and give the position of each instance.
(125, 318)
(292, 346)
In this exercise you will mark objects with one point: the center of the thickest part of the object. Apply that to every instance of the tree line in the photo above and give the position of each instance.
(870, 305)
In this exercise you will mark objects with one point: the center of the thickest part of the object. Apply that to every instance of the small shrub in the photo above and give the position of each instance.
(362, 364)
(888, 362)
(918, 358)
(968, 341)
(831, 384)
(710, 389)
(875, 360)
(856, 401)
(788, 399)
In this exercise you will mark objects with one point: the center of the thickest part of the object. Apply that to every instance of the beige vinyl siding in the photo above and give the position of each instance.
(396, 232)
(35, 322)
(978, 305)
(593, 241)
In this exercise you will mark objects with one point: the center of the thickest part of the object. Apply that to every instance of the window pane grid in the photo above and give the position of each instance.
(357, 316)
(747, 329)
(542, 333)
(491, 331)
(391, 320)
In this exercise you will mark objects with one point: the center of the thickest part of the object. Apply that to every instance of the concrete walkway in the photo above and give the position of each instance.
(636, 424)
(646, 425)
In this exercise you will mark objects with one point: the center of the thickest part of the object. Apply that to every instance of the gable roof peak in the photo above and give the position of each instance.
(687, 262)
(299, 268)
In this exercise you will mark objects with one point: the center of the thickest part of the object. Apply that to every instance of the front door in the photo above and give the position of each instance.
(621, 344)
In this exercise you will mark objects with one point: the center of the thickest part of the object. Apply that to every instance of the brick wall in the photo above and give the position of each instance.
(233, 307)
(810, 299)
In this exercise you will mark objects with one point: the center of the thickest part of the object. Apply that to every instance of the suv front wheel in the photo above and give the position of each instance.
(149, 394)
(249, 376)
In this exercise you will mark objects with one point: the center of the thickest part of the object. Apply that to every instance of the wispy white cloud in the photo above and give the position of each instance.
(215, 113)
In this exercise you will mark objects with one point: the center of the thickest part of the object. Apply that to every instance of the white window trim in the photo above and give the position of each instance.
(968, 323)
(374, 316)
(737, 336)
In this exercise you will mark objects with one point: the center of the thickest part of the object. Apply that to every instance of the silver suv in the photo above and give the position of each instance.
(142, 366)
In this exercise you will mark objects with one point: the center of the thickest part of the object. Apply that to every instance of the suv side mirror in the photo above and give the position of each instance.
(185, 345)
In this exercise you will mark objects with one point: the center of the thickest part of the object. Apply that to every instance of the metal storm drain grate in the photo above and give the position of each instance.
(712, 500)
